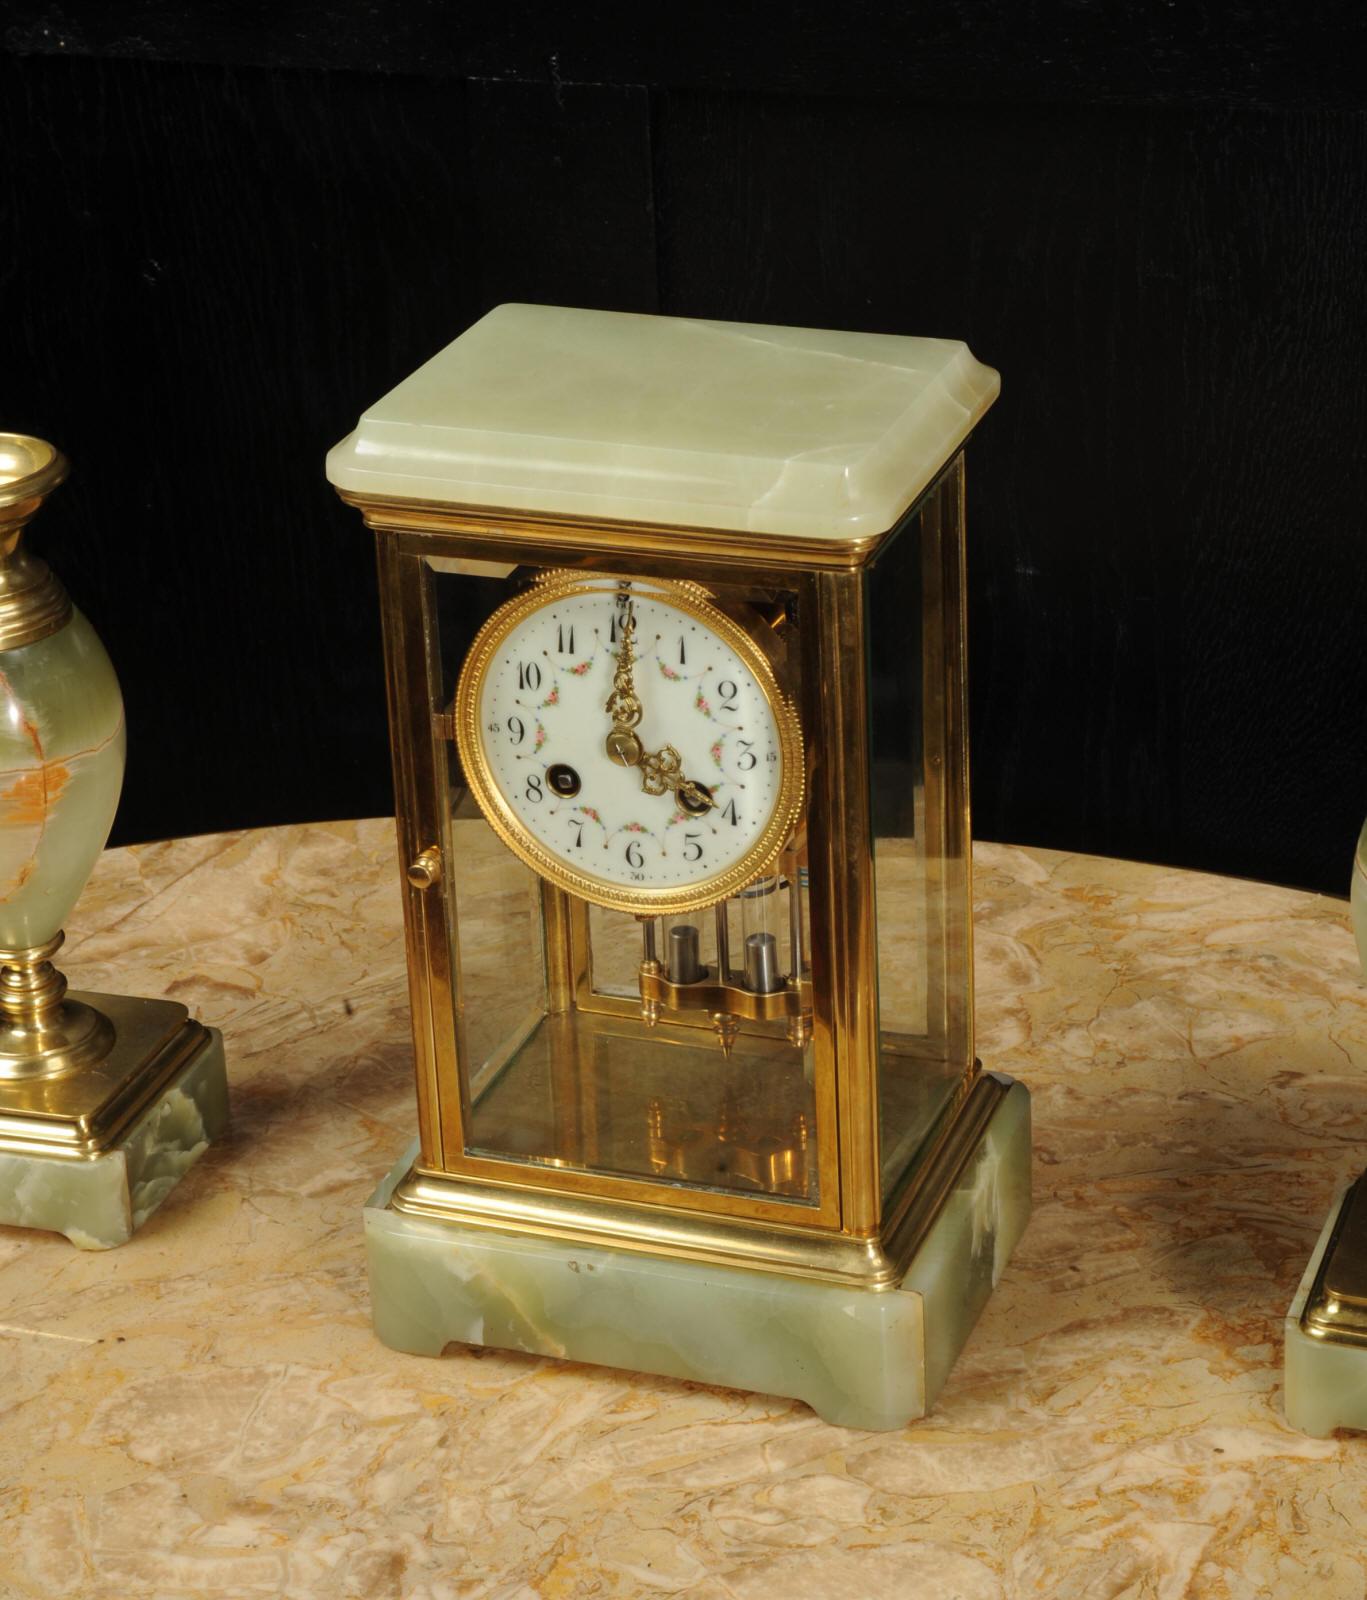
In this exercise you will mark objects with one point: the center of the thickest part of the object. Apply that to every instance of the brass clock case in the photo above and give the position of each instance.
(690, 600)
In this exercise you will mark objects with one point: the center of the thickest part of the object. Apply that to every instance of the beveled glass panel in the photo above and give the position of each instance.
(559, 1063)
(497, 949)
(919, 825)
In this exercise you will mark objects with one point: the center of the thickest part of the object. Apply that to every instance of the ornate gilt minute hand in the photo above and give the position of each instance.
(623, 743)
(661, 771)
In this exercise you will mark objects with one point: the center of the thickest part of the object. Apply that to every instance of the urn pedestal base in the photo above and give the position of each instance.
(860, 1358)
(1326, 1324)
(92, 1153)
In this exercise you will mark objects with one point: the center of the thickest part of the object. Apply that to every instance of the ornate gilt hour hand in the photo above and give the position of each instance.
(662, 771)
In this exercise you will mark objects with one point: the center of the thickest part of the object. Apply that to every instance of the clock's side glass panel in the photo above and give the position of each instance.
(919, 820)
(498, 952)
(560, 1062)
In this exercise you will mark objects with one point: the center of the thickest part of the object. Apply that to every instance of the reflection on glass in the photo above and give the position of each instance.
(614, 953)
(590, 1093)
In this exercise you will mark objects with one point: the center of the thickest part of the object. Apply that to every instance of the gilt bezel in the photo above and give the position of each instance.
(690, 600)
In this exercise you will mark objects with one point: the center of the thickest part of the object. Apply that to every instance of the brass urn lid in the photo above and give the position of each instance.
(33, 602)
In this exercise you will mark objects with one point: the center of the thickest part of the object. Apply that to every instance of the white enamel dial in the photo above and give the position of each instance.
(532, 707)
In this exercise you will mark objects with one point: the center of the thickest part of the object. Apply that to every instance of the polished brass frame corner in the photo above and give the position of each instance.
(1336, 1308)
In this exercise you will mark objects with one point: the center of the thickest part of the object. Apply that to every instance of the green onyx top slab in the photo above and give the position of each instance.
(608, 415)
(61, 770)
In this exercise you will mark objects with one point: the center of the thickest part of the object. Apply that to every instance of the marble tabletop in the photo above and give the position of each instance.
(205, 1411)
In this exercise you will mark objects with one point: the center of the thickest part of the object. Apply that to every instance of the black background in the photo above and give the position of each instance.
(226, 229)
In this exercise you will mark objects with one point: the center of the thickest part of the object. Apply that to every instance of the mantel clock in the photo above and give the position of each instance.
(674, 631)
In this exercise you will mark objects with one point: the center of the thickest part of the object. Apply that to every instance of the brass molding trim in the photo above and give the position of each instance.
(508, 826)
(572, 536)
(878, 1262)
(912, 1208)
(84, 1113)
(33, 601)
(1336, 1309)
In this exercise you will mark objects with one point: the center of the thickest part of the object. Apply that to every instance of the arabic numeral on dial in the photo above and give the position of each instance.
(516, 727)
(747, 759)
(528, 675)
(692, 850)
(634, 856)
(731, 814)
(534, 791)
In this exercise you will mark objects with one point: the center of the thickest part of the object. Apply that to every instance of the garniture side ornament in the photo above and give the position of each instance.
(96, 1091)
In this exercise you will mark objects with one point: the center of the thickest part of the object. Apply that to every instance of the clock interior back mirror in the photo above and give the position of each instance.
(690, 790)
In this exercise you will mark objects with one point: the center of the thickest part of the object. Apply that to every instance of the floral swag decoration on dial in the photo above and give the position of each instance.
(629, 741)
